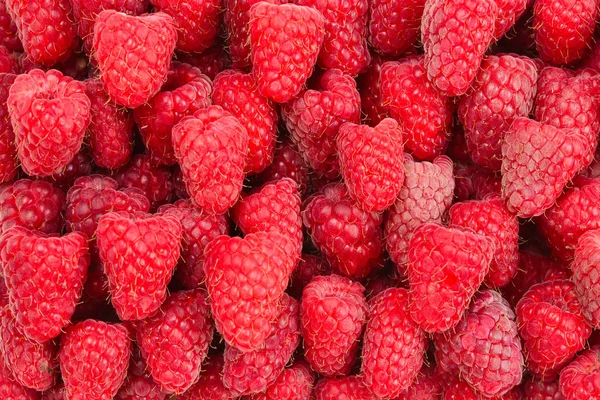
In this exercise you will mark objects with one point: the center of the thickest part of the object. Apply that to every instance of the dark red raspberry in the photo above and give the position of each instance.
(210, 62)
(374, 111)
(154, 181)
(308, 267)
(287, 163)
(8, 30)
(8, 151)
(426, 386)
(580, 379)
(509, 12)
(534, 389)
(486, 182)
(210, 385)
(8, 62)
(394, 25)
(80, 165)
(586, 268)
(139, 388)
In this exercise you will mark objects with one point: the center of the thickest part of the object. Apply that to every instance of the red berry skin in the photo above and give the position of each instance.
(211, 149)
(372, 163)
(534, 389)
(503, 90)
(256, 370)
(394, 25)
(32, 364)
(110, 130)
(307, 268)
(314, 118)
(459, 390)
(185, 91)
(294, 383)
(80, 165)
(139, 252)
(45, 271)
(484, 348)
(333, 312)
(509, 11)
(342, 388)
(537, 161)
(237, 93)
(49, 114)
(393, 346)
(373, 109)
(8, 61)
(56, 393)
(10, 389)
(579, 379)
(246, 279)
(35, 205)
(8, 151)
(210, 62)
(287, 163)
(175, 341)
(585, 269)
(345, 45)
(93, 359)
(349, 238)
(564, 29)
(424, 114)
(46, 29)
(149, 42)
(154, 181)
(286, 38)
(456, 35)
(8, 30)
(426, 386)
(139, 388)
(210, 385)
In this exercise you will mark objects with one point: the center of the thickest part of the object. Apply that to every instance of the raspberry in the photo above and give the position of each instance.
(287, 163)
(333, 312)
(484, 347)
(372, 163)
(8, 151)
(445, 268)
(307, 268)
(369, 87)
(552, 326)
(540, 390)
(49, 113)
(185, 91)
(10, 389)
(210, 385)
(80, 165)
(8, 62)
(178, 184)
(154, 181)
(585, 275)
(486, 182)
(509, 12)
(314, 117)
(579, 379)
(344, 388)
(424, 114)
(56, 393)
(210, 62)
(394, 25)
(286, 38)
(459, 390)
(8, 30)
(93, 359)
(426, 386)
(139, 388)
(147, 40)
(294, 383)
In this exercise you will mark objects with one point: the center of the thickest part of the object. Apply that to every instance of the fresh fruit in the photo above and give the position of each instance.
(579, 379)
(585, 275)
(394, 25)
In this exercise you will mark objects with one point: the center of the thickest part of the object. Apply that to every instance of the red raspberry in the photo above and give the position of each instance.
(139, 388)
(333, 312)
(210, 385)
(424, 114)
(294, 383)
(45, 276)
(344, 388)
(552, 326)
(93, 359)
(486, 182)
(49, 113)
(372, 163)
(456, 35)
(393, 346)
(349, 238)
(8, 30)
(374, 111)
(503, 90)
(8, 151)
(509, 11)
(237, 93)
(579, 379)
(210, 62)
(8, 61)
(285, 38)
(185, 91)
(537, 161)
(111, 129)
(445, 268)
(426, 386)
(484, 347)
(147, 40)
(394, 25)
(260, 265)
(457, 147)
(463, 176)
(315, 116)
(256, 370)
(540, 390)
(175, 341)
(56, 393)
(9, 389)
(585, 270)
(80, 165)
(139, 252)
(179, 189)
(45, 28)
(307, 268)
(197, 22)
(287, 163)
(564, 29)
(211, 148)
(32, 364)
(458, 389)
(154, 181)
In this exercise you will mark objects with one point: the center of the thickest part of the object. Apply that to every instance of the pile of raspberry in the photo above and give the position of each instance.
(304, 200)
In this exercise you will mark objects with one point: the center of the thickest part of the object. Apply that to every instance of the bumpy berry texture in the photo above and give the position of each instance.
(8, 61)
(139, 388)
(534, 389)
(10, 389)
(394, 25)
(287, 163)
(210, 385)
(457, 389)
(307, 268)
(210, 62)
(49, 114)
(373, 109)
(55, 393)
(579, 379)
(509, 11)
(424, 114)
(586, 268)
(147, 40)
(80, 165)
(343, 388)
(426, 386)
(93, 359)
(8, 151)
(8, 30)
(294, 383)
(286, 38)
(154, 181)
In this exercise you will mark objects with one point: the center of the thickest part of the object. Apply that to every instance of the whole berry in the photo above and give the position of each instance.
(342, 388)
(287, 163)
(394, 25)
(154, 181)
(139, 388)
(585, 269)
(8, 151)
(210, 385)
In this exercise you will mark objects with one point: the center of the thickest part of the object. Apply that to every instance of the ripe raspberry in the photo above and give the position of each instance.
(509, 11)
(394, 25)
(9, 389)
(369, 87)
(285, 38)
(445, 268)
(484, 347)
(563, 29)
(8, 62)
(393, 346)
(179, 189)
(486, 182)
(579, 379)
(585, 275)
(210, 385)
(503, 90)
(45, 29)
(372, 163)
(349, 238)
(8, 151)
(307, 268)
(294, 383)
(333, 312)
(80, 165)
(154, 181)
(147, 40)
(456, 34)
(424, 114)
(56, 393)
(287, 163)
(44, 275)
(8, 30)
(139, 252)
(463, 176)
(49, 114)
(259, 264)
(344, 388)
(211, 148)
(93, 359)
(210, 62)
(237, 93)
(185, 91)
(458, 389)
(426, 386)
(110, 130)
(139, 388)
(540, 390)
(254, 371)
(315, 116)
(538, 160)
